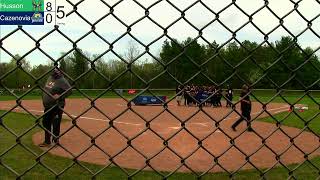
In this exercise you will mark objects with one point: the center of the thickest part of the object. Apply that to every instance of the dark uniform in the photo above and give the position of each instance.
(186, 95)
(229, 96)
(245, 111)
(214, 99)
(219, 97)
(55, 85)
(198, 96)
(210, 95)
(192, 97)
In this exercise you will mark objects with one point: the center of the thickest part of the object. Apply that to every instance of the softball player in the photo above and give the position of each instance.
(229, 96)
(245, 109)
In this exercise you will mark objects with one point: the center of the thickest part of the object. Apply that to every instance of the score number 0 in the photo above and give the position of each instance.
(60, 14)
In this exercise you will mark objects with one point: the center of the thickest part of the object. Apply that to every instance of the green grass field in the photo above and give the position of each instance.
(258, 95)
(19, 160)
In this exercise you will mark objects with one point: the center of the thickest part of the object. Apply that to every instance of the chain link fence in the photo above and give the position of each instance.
(266, 75)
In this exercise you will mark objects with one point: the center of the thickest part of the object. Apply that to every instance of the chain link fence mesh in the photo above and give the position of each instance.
(265, 75)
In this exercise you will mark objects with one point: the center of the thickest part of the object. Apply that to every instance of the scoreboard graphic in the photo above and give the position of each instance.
(30, 12)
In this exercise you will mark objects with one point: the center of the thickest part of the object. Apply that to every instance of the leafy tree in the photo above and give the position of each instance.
(277, 62)
(79, 65)
(182, 58)
(39, 71)
(18, 78)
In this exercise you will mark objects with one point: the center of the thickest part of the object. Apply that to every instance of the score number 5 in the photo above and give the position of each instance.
(60, 14)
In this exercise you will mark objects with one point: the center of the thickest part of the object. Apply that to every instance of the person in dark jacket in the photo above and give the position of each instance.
(219, 97)
(245, 109)
(214, 98)
(186, 95)
(210, 93)
(229, 96)
(57, 88)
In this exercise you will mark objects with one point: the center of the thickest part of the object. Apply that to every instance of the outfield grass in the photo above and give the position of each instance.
(258, 95)
(20, 159)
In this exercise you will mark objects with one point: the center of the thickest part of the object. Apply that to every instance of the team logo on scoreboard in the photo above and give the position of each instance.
(36, 5)
(37, 17)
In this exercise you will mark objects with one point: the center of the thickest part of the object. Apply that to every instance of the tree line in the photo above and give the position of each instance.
(282, 63)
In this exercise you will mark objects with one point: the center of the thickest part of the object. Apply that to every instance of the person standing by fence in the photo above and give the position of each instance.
(57, 89)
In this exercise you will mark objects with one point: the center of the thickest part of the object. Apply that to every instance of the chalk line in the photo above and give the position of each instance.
(136, 124)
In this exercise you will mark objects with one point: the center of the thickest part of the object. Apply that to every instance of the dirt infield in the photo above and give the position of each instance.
(148, 147)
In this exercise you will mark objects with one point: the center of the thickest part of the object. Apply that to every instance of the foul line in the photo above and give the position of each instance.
(135, 124)
(84, 117)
